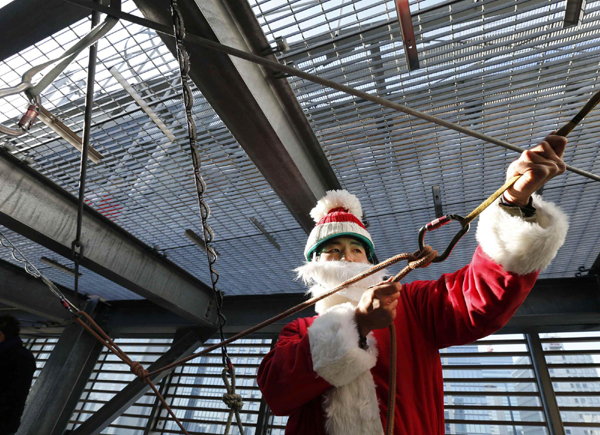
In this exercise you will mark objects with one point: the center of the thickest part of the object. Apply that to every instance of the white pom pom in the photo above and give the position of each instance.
(335, 199)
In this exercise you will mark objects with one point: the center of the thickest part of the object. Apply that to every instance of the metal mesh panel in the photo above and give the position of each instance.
(573, 360)
(490, 387)
(507, 69)
(195, 391)
(111, 375)
(144, 182)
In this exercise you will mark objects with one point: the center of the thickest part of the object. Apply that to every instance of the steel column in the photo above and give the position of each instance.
(544, 382)
(262, 423)
(56, 392)
(185, 344)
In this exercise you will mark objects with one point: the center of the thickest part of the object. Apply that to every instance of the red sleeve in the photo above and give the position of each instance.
(471, 303)
(286, 376)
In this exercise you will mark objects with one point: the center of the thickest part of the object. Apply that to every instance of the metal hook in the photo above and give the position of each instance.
(440, 222)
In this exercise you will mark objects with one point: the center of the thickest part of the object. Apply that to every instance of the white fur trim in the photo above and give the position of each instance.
(322, 232)
(334, 347)
(334, 199)
(322, 276)
(517, 245)
(351, 407)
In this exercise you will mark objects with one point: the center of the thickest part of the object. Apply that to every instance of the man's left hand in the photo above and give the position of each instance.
(537, 166)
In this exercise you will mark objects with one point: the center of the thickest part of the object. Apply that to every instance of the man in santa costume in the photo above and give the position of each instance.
(330, 373)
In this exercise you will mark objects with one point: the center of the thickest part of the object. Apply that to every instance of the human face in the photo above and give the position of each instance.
(343, 248)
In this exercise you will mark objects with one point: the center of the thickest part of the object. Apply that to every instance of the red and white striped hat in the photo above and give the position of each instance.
(337, 214)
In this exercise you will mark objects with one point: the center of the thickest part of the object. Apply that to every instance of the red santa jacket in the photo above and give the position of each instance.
(319, 376)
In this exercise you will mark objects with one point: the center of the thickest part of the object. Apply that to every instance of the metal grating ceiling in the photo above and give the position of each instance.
(144, 183)
(506, 68)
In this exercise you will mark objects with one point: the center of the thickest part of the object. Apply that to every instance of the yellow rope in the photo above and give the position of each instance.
(485, 204)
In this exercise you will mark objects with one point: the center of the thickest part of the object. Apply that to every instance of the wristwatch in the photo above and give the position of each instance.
(527, 211)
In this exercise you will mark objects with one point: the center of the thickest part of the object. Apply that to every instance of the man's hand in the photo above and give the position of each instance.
(377, 307)
(538, 166)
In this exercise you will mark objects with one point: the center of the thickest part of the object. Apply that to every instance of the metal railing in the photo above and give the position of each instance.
(493, 386)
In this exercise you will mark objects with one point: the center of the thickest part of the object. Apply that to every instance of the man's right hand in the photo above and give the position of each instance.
(377, 307)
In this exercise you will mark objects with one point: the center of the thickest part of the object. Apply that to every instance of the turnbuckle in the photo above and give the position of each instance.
(440, 222)
(30, 115)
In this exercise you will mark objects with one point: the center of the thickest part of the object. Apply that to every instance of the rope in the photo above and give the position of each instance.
(485, 204)
(391, 410)
(414, 261)
(77, 244)
(135, 367)
(420, 260)
(233, 401)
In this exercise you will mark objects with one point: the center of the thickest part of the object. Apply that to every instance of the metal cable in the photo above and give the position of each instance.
(18, 256)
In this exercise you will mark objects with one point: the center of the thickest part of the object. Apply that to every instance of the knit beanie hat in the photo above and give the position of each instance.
(337, 214)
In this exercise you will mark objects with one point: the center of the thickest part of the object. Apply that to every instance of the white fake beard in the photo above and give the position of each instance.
(322, 276)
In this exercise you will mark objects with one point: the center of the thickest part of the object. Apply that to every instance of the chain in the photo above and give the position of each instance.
(188, 101)
(18, 256)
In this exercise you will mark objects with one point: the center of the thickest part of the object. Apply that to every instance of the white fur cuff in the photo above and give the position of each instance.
(334, 346)
(517, 245)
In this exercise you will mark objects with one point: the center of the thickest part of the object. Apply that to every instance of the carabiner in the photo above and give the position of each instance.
(440, 222)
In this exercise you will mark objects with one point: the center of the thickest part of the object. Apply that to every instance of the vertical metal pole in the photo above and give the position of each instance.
(262, 423)
(542, 375)
(77, 246)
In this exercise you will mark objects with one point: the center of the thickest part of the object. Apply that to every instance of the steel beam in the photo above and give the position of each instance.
(32, 205)
(56, 392)
(559, 305)
(143, 318)
(24, 292)
(554, 305)
(185, 344)
(25, 22)
(566, 304)
(260, 111)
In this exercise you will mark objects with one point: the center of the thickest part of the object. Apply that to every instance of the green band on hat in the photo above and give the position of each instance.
(368, 244)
